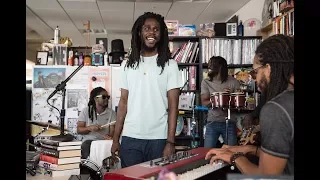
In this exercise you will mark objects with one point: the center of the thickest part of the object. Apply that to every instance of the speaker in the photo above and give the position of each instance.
(220, 29)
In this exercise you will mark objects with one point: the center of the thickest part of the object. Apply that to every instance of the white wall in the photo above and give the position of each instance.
(253, 9)
(29, 66)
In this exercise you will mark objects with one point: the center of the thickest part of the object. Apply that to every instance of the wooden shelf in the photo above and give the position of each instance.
(267, 30)
(188, 64)
(195, 91)
(233, 37)
(184, 38)
(205, 65)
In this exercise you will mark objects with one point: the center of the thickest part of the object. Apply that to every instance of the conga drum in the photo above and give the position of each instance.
(220, 99)
(238, 100)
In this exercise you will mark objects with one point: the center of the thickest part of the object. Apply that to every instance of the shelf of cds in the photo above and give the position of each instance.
(235, 51)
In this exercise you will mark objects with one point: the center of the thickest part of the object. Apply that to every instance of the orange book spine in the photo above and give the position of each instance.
(48, 159)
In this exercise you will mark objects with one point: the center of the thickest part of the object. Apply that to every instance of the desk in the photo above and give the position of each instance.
(43, 177)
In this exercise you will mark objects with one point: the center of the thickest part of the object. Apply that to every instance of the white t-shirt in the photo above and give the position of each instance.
(147, 114)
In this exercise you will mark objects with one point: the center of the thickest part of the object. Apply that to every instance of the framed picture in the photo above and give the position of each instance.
(42, 57)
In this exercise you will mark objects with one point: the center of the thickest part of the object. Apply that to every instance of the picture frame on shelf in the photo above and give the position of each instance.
(42, 57)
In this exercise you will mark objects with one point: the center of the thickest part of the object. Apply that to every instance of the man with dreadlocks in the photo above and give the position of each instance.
(218, 81)
(148, 107)
(273, 65)
(92, 117)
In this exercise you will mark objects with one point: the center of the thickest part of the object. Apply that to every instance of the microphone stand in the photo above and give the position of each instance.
(62, 87)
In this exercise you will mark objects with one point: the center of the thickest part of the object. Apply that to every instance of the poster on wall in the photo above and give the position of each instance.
(77, 99)
(115, 90)
(72, 127)
(42, 111)
(79, 80)
(48, 77)
(99, 77)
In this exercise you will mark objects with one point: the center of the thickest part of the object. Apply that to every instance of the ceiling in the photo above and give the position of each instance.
(115, 17)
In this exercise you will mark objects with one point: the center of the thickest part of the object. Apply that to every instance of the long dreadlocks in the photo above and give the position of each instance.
(218, 64)
(92, 110)
(278, 51)
(136, 42)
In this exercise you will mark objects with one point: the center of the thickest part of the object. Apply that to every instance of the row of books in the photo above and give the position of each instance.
(186, 53)
(189, 77)
(60, 158)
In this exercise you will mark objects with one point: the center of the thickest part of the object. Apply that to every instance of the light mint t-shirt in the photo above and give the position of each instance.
(147, 108)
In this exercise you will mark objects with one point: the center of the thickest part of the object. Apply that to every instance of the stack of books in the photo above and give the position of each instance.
(60, 158)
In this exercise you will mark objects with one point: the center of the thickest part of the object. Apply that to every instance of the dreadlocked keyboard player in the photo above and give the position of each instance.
(92, 117)
(148, 107)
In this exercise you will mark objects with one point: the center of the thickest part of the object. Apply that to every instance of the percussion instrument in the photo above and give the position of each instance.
(45, 124)
(96, 172)
(108, 124)
(220, 99)
(238, 100)
(186, 165)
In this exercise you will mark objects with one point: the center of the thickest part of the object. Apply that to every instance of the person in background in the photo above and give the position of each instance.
(92, 117)
(218, 81)
(148, 107)
(274, 68)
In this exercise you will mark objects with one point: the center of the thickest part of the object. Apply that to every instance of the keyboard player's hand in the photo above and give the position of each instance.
(216, 154)
(244, 149)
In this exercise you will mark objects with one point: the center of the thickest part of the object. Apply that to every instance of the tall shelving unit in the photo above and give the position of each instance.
(178, 41)
(282, 24)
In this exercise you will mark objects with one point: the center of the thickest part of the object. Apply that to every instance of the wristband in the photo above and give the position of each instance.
(233, 159)
(170, 142)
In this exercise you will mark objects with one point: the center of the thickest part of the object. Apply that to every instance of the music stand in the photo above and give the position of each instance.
(62, 87)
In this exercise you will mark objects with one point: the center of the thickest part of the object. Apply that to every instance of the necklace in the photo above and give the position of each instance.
(144, 66)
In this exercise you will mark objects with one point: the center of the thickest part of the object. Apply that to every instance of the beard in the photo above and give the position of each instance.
(263, 85)
(213, 73)
(149, 49)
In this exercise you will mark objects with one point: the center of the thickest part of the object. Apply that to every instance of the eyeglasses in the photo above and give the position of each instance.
(103, 96)
(254, 72)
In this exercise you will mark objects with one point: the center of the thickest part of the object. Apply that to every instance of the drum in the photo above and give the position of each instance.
(89, 167)
(238, 100)
(220, 99)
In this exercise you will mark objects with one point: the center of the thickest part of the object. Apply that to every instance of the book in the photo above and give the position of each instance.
(53, 173)
(60, 148)
(58, 143)
(54, 160)
(58, 167)
(60, 154)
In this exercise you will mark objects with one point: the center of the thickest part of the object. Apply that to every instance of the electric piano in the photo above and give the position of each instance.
(187, 165)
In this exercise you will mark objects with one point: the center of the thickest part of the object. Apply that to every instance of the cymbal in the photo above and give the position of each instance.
(45, 124)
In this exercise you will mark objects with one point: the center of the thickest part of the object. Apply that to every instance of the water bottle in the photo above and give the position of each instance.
(56, 35)
(240, 29)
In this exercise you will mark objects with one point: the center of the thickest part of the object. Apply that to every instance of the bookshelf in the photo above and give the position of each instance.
(282, 24)
(200, 63)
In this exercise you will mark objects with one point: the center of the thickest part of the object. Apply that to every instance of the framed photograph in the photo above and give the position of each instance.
(42, 57)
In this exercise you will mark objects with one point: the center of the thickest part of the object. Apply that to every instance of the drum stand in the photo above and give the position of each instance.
(227, 122)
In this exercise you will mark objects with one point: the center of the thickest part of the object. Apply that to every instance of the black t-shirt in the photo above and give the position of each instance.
(277, 128)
